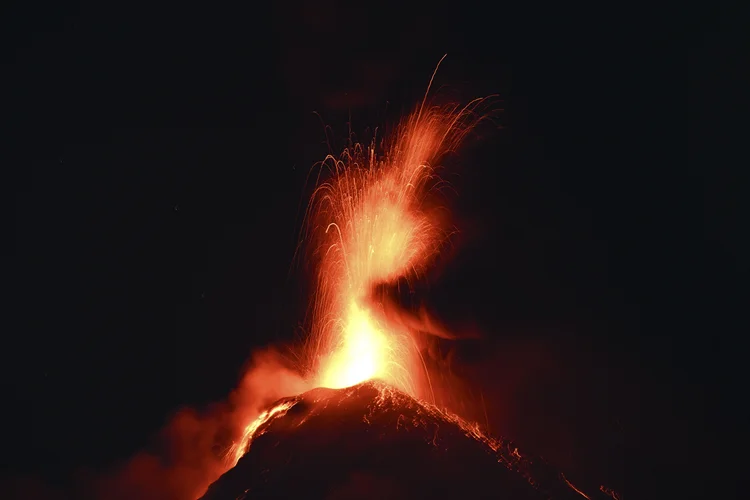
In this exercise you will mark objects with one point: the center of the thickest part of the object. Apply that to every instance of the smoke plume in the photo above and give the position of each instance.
(190, 452)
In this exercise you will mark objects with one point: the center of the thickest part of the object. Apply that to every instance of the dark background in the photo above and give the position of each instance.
(163, 152)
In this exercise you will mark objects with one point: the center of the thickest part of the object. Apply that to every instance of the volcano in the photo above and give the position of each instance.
(365, 432)
(374, 441)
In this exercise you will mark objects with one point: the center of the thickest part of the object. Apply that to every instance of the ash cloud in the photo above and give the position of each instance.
(190, 450)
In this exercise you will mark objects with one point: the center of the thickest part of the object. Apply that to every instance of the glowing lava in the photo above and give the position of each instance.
(364, 352)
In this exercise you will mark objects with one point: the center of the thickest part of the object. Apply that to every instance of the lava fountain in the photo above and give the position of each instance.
(372, 226)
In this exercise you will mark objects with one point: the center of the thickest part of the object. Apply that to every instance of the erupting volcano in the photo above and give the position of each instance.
(369, 426)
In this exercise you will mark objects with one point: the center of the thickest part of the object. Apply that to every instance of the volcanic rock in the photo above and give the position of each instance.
(373, 441)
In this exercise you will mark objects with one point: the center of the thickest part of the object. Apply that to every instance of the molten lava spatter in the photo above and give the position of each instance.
(364, 352)
(371, 225)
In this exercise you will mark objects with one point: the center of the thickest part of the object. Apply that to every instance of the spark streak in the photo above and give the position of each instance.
(377, 230)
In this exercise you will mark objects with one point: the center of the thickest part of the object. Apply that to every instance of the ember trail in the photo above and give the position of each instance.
(371, 227)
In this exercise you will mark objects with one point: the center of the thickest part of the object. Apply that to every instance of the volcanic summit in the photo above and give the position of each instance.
(374, 441)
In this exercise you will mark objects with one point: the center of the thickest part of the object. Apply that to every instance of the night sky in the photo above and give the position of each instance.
(162, 159)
